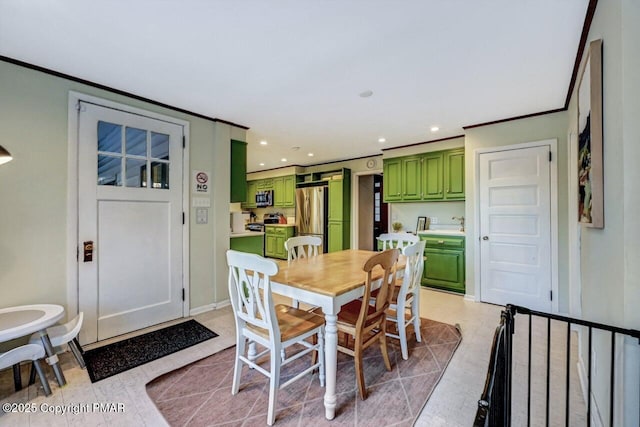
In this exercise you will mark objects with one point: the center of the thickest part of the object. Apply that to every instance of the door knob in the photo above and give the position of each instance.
(485, 237)
(87, 249)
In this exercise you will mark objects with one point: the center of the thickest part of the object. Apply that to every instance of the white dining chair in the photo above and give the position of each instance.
(405, 300)
(65, 334)
(396, 240)
(274, 327)
(302, 247)
(28, 352)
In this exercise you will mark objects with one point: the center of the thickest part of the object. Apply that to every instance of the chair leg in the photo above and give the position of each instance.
(383, 346)
(74, 345)
(402, 330)
(43, 378)
(415, 311)
(274, 384)
(295, 303)
(237, 369)
(17, 378)
(359, 372)
(32, 374)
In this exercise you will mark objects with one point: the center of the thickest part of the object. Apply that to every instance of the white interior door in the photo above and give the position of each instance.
(515, 227)
(130, 209)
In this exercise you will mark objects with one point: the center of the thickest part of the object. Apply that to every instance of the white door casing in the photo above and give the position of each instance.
(136, 276)
(515, 227)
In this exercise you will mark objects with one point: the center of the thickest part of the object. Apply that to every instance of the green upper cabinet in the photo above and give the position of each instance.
(252, 188)
(454, 175)
(432, 188)
(392, 175)
(238, 171)
(433, 176)
(411, 182)
(284, 191)
(339, 225)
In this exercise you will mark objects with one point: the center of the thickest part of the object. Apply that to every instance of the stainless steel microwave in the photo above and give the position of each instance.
(264, 198)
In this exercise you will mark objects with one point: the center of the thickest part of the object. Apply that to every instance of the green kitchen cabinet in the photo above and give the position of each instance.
(454, 175)
(265, 184)
(251, 244)
(392, 176)
(238, 171)
(252, 188)
(410, 181)
(432, 176)
(444, 264)
(284, 191)
(339, 212)
(275, 236)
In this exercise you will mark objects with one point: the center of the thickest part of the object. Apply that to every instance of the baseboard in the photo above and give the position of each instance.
(469, 297)
(209, 307)
(596, 418)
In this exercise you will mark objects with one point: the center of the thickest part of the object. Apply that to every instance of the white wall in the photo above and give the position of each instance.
(33, 190)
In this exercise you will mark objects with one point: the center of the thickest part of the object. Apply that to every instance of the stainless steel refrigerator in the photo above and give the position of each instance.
(311, 212)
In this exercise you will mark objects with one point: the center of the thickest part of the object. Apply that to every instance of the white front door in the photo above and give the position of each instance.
(130, 213)
(515, 227)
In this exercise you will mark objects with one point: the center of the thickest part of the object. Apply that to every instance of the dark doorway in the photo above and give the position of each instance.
(380, 211)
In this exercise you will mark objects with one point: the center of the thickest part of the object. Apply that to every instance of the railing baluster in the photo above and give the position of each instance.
(529, 378)
(613, 370)
(589, 386)
(548, 366)
(566, 415)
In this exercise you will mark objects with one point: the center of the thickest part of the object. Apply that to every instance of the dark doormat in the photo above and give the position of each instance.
(121, 356)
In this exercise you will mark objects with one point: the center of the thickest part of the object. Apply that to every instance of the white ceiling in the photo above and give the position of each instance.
(293, 70)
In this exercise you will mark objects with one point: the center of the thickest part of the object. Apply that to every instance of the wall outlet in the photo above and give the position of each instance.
(434, 220)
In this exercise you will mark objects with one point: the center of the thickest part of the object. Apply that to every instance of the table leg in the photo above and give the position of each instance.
(52, 358)
(331, 364)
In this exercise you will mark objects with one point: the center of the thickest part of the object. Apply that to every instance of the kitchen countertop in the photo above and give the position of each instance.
(442, 232)
(279, 225)
(247, 234)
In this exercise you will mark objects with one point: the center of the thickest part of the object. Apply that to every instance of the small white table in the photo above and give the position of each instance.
(16, 322)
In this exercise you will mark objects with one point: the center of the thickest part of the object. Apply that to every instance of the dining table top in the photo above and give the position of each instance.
(330, 274)
(24, 320)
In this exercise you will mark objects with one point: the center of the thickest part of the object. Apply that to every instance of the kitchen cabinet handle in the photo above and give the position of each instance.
(441, 242)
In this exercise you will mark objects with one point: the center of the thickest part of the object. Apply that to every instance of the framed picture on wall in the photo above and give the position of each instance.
(590, 169)
(422, 221)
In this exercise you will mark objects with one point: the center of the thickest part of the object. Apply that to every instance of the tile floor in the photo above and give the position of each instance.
(453, 402)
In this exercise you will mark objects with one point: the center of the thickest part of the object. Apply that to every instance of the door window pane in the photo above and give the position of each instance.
(109, 170)
(136, 143)
(136, 173)
(159, 146)
(159, 175)
(109, 137)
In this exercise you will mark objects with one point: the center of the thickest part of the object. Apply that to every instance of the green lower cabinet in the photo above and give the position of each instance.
(275, 236)
(249, 244)
(444, 265)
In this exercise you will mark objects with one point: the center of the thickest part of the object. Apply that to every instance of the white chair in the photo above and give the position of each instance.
(405, 301)
(27, 352)
(274, 327)
(397, 240)
(302, 247)
(65, 334)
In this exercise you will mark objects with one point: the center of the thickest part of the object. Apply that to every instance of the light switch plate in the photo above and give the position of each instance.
(202, 216)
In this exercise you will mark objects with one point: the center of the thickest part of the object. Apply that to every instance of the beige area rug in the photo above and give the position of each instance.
(199, 394)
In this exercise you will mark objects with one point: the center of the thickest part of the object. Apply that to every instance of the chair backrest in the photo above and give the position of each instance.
(387, 260)
(413, 268)
(397, 240)
(250, 291)
(302, 247)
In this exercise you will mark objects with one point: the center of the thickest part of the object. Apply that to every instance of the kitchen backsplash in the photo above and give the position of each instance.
(408, 213)
(287, 212)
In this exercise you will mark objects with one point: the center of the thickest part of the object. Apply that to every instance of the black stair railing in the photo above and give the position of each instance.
(494, 406)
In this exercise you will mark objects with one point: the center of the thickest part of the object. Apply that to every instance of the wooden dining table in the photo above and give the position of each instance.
(328, 281)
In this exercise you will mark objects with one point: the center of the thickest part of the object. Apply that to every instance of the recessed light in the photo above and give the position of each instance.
(310, 154)
(261, 164)
(263, 142)
(366, 94)
(435, 128)
(283, 159)
(382, 140)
